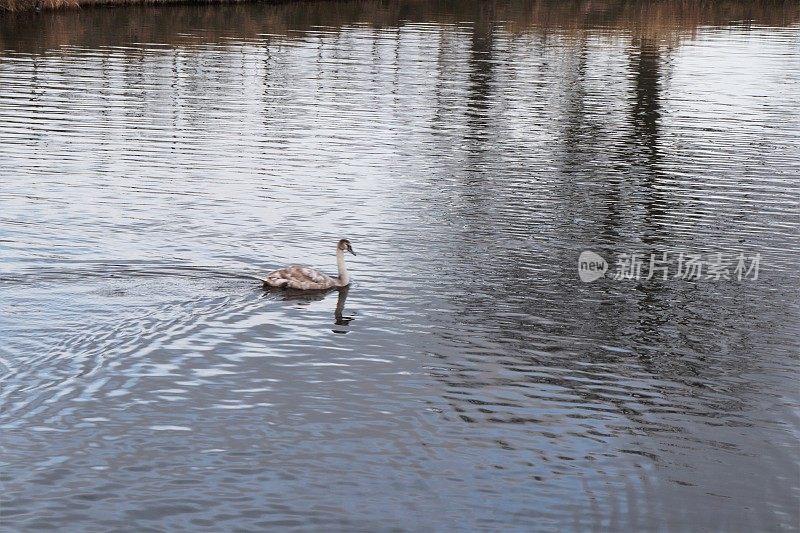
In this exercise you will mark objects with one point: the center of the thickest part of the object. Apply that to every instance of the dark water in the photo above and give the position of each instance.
(153, 161)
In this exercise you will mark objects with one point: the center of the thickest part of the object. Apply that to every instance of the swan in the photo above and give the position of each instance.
(307, 278)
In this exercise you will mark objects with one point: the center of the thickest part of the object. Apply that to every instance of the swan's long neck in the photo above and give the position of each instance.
(344, 278)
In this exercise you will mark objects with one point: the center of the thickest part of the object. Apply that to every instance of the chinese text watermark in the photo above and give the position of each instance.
(670, 265)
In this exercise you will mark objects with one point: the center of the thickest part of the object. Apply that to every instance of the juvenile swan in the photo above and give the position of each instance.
(307, 278)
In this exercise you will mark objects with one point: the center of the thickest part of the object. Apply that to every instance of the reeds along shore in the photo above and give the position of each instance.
(153, 20)
(661, 12)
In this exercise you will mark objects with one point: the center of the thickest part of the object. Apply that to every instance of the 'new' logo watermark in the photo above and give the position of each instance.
(591, 266)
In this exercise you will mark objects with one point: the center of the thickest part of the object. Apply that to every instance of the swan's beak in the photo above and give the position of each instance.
(350, 249)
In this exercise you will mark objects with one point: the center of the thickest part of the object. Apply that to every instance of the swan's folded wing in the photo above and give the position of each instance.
(307, 274)
(298, 277)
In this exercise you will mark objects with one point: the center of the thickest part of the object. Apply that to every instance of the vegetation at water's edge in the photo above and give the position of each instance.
(648, 16)
(145, 21)
(36, 5)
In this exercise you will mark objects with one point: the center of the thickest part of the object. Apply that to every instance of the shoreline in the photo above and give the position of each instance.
(38, 6)
(666, 13)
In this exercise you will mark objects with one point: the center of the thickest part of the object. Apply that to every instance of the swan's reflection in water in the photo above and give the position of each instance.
(304, 298)
(340, 319)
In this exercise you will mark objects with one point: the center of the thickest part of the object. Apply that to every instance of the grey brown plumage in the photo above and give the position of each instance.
(307, 278)
(299, 277)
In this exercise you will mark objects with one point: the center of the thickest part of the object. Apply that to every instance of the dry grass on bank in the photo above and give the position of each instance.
(42, 5)
(153, 21)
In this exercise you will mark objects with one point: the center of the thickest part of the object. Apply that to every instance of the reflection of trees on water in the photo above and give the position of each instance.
(500, 302)
(643, 160)
(479, 84)
(479, 134)
(646, 70)
(523, 278)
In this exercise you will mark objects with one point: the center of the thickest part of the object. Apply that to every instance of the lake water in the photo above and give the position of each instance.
(155, 161)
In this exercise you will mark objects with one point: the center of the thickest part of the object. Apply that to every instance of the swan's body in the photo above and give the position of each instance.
(307, 278)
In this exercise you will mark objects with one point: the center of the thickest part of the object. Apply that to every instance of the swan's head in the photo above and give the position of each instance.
(344, 245)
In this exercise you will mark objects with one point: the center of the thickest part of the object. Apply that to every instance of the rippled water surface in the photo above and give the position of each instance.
(155, 161)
